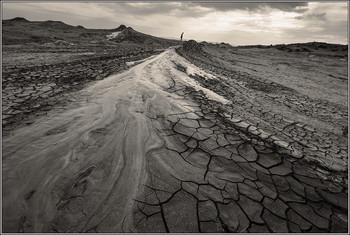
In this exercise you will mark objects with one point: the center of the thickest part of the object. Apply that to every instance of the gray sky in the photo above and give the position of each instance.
(235, 23)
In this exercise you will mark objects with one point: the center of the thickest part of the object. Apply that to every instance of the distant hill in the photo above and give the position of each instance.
(129, 35)
(303, 47)
(21, 31)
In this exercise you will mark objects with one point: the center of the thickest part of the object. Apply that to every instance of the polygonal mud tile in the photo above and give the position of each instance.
(263, 149)
(173, 118)
(180, 213)
(296, 186)
(173, 143)
(224, 163)
(183, 138)
(202, 133)
(257, 167)
(237, 158)
(232, 189)
(250, 192)
(311, 194)
(233, 217)
(322, 209)
(269, 159)
(242, 125)
(304, 170)
(251, 208)
(250, 183)
(281, 170)
(192, 115)
(263, 134)
(153, 224)
(216, 166)
(163, 195)
(339, 223)
(215, 181)
(276, 224)
(233, 148)
(233, 139)
(209, 144)
(337, 199)
(282, 144)
(186, 153)
(184, 130)
(280, 182)
(293, 228)
(147, 209)
(189, 123)
(290, 196)
(211, 116)
(232, 177)
(198, 158)
(264, 177)
(207, 211)
(297, 219)
(222, 140)
(247, 151)
(211, 193)
(247, 171)
(206, 123)
(308, 214)
(211, 227)
(192, 143)
(314, 229)
(275, 206)
(222, 152)
(255, 228)
(311, 181)
(234, 120)
(190, 187)
(162, 179)
(332, 186)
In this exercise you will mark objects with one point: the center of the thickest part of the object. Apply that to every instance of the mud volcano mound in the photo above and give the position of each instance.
(121, 28)
(192, 46)
(19, 19)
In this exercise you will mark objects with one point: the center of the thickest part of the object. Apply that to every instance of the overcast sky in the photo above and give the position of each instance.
(235, 23)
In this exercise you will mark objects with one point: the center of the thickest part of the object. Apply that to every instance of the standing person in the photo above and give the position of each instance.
(181, 36)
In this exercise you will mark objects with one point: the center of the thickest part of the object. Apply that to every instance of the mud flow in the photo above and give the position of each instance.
(156, 149)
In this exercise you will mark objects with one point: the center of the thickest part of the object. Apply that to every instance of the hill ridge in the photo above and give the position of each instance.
(21, 31)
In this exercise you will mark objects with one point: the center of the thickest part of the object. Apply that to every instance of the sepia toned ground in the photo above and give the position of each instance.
(220, 140)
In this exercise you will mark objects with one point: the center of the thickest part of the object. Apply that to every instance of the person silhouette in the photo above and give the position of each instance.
(181, 36)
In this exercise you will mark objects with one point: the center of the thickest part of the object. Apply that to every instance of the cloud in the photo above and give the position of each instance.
(312, 16)
(177, 9)
(254, 22)
(256, 6)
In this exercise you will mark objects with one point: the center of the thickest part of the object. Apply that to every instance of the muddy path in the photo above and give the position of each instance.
(150, 150)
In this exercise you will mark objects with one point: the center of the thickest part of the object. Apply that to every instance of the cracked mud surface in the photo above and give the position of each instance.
(152, 150)
(35, 80)
(309, 124)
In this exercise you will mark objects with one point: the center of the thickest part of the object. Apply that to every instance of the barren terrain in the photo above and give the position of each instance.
(196, 138)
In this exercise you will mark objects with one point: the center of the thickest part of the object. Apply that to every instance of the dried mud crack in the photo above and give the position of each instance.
(157, 149)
